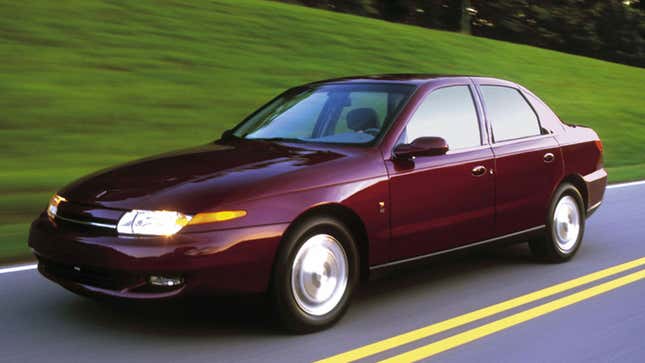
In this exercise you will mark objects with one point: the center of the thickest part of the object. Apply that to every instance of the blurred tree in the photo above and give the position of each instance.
(611, 30)
(358, 7)
(607, 29)
(466, 11)
(400, 11)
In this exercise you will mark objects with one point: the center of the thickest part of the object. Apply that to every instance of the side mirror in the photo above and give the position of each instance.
(423, 146)
(226, 134)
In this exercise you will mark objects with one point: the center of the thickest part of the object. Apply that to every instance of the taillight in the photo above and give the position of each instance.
(599, 145)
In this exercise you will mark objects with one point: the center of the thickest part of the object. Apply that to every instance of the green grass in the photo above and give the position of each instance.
(86, 84)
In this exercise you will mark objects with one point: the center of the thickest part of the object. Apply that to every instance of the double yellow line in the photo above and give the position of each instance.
(495, 326)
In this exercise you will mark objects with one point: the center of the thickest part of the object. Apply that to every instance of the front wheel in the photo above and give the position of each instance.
(565, 226)
(315, 273)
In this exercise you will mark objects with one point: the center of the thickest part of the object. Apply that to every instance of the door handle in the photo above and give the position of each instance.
(479, 170)
(549, 157)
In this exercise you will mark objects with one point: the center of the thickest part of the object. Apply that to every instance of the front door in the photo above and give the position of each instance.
(445, 201)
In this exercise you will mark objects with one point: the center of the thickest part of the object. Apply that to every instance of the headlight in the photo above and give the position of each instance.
(154, 223)
(52, 209)
(167, 223)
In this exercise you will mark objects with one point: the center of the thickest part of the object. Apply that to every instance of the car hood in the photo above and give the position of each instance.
(200, 178)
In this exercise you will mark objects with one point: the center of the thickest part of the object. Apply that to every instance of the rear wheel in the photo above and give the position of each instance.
(315, 273)
(565, 226)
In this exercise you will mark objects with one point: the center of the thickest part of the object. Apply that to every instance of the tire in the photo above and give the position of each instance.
(565, 226)
(298, 309)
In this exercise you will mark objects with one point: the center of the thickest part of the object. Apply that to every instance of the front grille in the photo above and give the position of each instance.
(86, 218)
(101, 278)
(83, 228)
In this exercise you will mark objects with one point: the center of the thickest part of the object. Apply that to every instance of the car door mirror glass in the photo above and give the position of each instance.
(422, 146)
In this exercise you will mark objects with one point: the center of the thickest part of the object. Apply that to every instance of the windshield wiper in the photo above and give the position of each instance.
(286, 139)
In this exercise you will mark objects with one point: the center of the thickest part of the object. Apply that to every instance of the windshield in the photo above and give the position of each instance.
(333, 113)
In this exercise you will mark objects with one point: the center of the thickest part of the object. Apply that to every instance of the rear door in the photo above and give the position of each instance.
(528, 160)
(441, 202)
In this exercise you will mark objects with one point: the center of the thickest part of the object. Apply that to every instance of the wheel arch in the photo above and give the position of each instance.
(578, 182)
(349, 218)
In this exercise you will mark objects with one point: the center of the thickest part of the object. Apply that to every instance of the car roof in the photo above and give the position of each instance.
(406, 78)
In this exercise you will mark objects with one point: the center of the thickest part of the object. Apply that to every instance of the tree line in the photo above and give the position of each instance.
(613, 30)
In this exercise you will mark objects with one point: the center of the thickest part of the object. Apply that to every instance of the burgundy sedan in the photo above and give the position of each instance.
(324, 184)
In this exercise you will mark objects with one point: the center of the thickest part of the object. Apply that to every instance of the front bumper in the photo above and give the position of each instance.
(93, 261)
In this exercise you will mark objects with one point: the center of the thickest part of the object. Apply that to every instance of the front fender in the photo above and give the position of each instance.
(363, 197)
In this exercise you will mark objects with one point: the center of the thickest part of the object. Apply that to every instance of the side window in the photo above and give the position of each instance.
(549, 121)
(510, 115)
(449, 113)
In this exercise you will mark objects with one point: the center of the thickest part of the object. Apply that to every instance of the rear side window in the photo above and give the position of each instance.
(510, 115)
(449, 113)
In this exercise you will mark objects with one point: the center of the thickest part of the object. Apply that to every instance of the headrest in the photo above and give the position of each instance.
(362, 119)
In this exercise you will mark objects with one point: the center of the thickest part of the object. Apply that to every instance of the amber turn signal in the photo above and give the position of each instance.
(221, 216)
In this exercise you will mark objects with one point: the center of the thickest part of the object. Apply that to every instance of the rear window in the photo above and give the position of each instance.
(509, 113)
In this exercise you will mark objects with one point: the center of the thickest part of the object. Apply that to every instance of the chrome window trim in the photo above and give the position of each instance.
(453, 152)
(467, 149)
(521, 139)
(411, 259)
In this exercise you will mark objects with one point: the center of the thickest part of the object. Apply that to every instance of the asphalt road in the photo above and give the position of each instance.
(39, 321)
